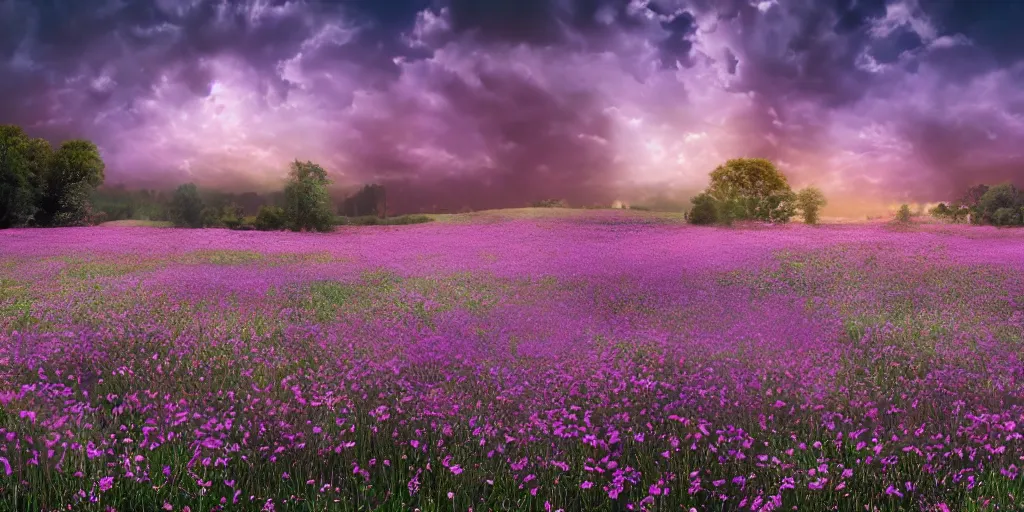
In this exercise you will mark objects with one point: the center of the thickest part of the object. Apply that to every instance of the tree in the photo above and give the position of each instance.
(969, 202)
(187, 207)
(752, 189)
(999, 197)
(307, 205)
(903, 214)
(75, 170)
(18, 185)
(972, 196)
(704, 211)
(810, 201)
(369, 200)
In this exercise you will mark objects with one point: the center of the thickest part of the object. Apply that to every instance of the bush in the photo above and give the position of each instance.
(211, 218)
(270, 218)
(232, 217)
(370, 220)
(705, 210)
(1006, 217)
(549, 203)
(941, 211)
(403, 220)
(903, 214)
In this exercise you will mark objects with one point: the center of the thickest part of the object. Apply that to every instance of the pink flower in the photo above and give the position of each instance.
(106, 483)
(893, 491)
(7, 466)
(586, 485)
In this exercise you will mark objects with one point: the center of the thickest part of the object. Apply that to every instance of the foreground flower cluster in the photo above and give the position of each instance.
(593, 363)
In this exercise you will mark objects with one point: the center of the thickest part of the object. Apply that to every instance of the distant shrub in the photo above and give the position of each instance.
(97, 218)
(549, 203)
(370, 220)
(408, 219)
(1006, 217)
(940, 211)
(641, 208)
(705, 210)
(211, 218)
(233, 217)
(954, 213)
(903, 215)
(270, 218)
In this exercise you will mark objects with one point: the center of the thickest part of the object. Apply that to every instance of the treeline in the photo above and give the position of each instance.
(121, 203)
(999, 205)
(303, 205)
(753, 189)
(43, 186)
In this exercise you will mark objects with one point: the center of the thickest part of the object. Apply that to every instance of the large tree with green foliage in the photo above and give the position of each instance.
(24, 163)
(75, 170)
(307, 205)
(810, 201)
(1000, 205)
(752, 189)
(186, 209)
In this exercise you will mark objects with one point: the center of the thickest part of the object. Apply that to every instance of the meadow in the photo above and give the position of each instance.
(594, 361)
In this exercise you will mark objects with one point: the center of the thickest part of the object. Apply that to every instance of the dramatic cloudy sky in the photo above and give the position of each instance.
(497, 102)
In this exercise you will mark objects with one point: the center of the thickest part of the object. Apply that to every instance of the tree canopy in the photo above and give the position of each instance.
(810, 201)
(746, 189)
(752, 189)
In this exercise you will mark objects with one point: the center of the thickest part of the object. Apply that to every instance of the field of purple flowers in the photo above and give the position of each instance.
(598, 362)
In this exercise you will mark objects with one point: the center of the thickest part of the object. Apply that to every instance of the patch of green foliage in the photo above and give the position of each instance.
(371, 220)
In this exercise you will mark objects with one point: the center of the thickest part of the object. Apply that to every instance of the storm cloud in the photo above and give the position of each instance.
(471, 104)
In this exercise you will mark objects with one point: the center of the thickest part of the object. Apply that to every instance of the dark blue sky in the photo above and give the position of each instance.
(494, 103)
